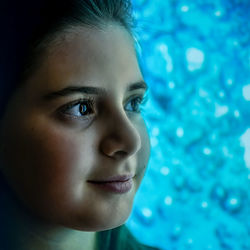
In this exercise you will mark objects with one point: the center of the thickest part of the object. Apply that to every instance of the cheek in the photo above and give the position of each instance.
(146, 143)
(145, 140)
(144, 152)
(43, 163)
(54, 155)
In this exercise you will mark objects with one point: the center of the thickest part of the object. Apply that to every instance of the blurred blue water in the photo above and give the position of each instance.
(195, 57)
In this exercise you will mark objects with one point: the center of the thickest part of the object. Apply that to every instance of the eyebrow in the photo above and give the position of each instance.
(90, 90)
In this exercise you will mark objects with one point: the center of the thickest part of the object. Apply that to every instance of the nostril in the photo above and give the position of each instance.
(120, 154)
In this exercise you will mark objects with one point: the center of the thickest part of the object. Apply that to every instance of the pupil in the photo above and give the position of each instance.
(135, 104)
(83, 108)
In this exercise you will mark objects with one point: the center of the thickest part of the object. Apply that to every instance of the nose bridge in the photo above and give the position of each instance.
(122, 136)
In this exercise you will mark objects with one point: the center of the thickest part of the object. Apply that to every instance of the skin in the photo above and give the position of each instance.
(49, 154)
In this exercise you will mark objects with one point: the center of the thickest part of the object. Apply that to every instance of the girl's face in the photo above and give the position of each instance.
(75, 121)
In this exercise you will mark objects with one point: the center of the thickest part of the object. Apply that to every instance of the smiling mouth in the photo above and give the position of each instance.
(119, 178)
(116, 184)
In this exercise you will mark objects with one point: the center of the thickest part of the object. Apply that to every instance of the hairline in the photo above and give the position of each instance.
(53, 39)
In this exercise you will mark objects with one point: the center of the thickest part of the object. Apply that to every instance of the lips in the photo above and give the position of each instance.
(116, 184)
(118, 178)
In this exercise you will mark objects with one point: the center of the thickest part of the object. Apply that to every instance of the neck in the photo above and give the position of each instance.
(21, 230)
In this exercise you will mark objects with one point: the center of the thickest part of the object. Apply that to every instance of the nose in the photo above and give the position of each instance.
(121, 138)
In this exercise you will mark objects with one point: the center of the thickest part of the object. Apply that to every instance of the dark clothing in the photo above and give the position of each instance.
(119, 239)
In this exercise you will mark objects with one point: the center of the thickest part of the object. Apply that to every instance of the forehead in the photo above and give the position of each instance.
(89, 56)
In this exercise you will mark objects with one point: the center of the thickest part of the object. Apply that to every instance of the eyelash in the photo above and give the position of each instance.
(89, 103)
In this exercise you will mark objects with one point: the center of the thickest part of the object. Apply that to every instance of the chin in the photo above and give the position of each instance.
(96, 227)
(95, 223)
(109, 225)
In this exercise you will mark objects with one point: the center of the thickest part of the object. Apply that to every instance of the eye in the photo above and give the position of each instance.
(135, 104)
(78, 109)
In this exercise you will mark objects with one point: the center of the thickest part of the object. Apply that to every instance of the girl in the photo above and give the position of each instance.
(74, 146)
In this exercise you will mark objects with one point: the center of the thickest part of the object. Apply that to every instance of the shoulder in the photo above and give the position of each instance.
(120, 238)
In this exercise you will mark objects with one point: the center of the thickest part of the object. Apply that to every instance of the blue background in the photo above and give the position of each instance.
(195, 57)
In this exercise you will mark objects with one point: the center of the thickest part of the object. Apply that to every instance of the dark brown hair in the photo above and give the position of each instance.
(27, 27)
